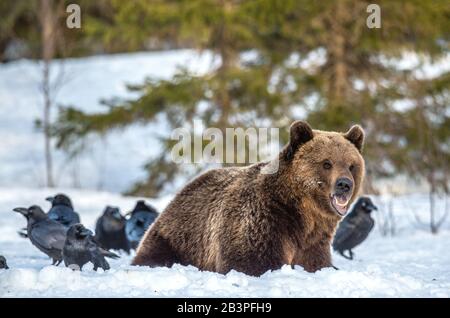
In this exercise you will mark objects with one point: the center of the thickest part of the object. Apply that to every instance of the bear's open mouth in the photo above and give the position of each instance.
(340, 203)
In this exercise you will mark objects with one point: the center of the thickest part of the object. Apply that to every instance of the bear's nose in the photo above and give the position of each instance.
(343, 185)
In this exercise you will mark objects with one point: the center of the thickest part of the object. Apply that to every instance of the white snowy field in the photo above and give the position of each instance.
(413, 263)
(83, 83)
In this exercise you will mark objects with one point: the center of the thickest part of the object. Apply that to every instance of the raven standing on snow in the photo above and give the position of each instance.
(142, 217)
(355, 228)
(46, 234)
(3, 264)
(62, 210)
(110, 230)
(81, 248)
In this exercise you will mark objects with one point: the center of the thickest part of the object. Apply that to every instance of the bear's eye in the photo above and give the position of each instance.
(327, 165)
(351, 168)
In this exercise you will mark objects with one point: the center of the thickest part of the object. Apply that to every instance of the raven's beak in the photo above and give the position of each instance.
(23, 211)
(86, 232)
(374, 207)
(50, 199)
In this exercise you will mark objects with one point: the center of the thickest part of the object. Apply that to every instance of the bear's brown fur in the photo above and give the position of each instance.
(243, 219)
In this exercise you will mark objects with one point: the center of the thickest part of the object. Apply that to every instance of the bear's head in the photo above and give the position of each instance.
(325, 168)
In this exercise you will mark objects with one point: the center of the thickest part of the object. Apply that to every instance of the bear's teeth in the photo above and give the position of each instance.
(343, 205)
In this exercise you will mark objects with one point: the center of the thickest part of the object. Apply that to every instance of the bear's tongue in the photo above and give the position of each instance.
(340, 204)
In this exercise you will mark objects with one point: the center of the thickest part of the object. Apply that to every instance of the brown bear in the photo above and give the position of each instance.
(244, 219)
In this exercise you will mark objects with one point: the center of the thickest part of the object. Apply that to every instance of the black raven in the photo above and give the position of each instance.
(355, 227)
(80, 248)
(62, 210)
(3, 264)
(141, 218)
(110, 230)
(47, 235)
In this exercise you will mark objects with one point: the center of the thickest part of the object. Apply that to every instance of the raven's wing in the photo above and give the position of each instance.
(364, 227)
(49, 235)
(61, 218)
(353, 232)
(57, 212)
(64, 215)
(153, 217)
(69, 219)
(343, 234)
(97, 256)
(108, 253)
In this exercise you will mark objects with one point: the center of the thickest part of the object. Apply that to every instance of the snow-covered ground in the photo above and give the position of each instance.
(413, 263)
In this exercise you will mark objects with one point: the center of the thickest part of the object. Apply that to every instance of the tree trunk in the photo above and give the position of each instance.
(47, 20)
(228, 60)
(338, 84)
(46, 124)
(433, 225)
(226, 56)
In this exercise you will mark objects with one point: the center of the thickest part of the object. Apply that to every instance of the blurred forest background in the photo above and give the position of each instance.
(262, 74)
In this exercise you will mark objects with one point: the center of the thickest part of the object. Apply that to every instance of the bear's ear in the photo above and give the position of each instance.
(300, 133)
(356, 136)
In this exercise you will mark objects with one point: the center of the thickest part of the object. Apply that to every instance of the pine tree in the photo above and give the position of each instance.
(350, 82)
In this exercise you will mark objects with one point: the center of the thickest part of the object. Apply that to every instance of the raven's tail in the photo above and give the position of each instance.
(109, 254)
